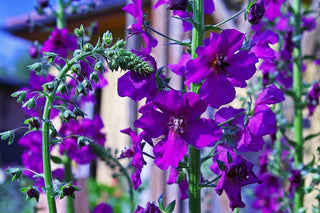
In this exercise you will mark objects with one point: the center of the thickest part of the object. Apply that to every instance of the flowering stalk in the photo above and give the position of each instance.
(45, 132)
(297, 88)
(194, 154)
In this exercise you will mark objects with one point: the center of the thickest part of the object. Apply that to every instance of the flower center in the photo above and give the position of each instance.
(220, 63)
(177, 125)
(239, 172)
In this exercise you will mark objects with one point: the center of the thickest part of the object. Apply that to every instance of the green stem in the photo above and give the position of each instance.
(46, 156)
(68, 178)
(297, 88)
(61, 22)
(194, 154)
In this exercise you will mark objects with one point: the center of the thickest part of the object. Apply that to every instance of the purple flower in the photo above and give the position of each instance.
(309, 23)
(313, 97)
(136, 153)
(136, 85)
(180, 68)
(273, 8)
(268, 194)
(256, 12)
(263, 121)
(103, 208)
(249, 137)
(295, 181)
(234, 175)
(260, 44)
(151, 208)
(32, 156)
(85, 127)
(222, 66)
(179, 124)
(140, 26)
(60, 42)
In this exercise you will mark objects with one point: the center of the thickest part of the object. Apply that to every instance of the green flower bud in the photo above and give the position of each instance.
(99, 66)
(86, 84)
(88, 47)
(107, 38)
(79, 32)
(94, 77)
(76, 68)
(120, 44)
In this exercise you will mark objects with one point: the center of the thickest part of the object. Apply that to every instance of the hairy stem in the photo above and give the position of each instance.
(194, 154)
(68, 178)
(297, 88)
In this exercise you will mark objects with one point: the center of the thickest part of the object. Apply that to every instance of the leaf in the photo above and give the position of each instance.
(221, 165)
(170, 207)
(309, 137)
(56, 159)
(8, 135)
(21, 95)
(160, 201)
(15, 172)
(229, 158)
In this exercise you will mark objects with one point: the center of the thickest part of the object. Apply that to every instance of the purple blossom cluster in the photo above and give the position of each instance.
(172, 120)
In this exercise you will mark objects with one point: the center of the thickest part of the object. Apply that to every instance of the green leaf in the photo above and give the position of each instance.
(170, 207)
(181, 177)
(31, 103)
(160, 201)
(309, 137)
(24, 189)
(8, 135)
(15, 172)
(56, 159)
(221, 165)
(21, 95)
(229, 158)
(78, 112)
(50, 56)
(36, 66)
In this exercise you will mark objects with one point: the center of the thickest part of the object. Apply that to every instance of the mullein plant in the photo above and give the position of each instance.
(171, 121)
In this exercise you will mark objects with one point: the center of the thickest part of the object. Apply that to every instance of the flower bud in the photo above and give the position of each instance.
(88, 47)
(79, 32)
(99, 66)
(76, 68)
(107, 38)
(68, 191)
(178, 4)
(256, 12)
(94, 77)
(33, 193)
